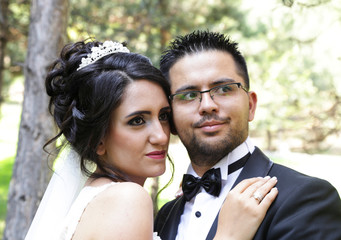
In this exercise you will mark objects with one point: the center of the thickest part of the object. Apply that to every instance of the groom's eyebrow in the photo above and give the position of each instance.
(196, 88)
(186, 88)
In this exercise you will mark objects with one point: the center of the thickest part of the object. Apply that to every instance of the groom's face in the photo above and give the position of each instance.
(210, 126)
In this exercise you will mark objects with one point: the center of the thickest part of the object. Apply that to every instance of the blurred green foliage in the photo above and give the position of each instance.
(290, 46)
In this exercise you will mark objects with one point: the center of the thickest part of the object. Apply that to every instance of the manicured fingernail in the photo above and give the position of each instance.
(267, 177)
(274, 178)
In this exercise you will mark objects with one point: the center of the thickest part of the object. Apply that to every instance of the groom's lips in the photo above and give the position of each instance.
(211, 126)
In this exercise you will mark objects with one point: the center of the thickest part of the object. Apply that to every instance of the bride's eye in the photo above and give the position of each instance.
(164, 116)
(137, 121)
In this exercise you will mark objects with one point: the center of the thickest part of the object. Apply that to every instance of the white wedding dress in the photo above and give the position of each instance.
(64, 201)
(87, 194)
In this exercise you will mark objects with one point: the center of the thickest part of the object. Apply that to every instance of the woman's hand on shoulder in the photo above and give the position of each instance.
(122, 211)
(245, 207)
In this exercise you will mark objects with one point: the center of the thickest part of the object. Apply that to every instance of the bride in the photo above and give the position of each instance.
(111, 106)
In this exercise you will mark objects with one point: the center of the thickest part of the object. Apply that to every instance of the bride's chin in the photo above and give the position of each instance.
(158, 173)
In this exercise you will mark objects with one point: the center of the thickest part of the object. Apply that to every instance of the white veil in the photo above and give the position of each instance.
(64, 187)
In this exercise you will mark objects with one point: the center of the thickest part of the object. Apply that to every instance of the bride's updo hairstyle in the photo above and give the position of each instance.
(82, 99)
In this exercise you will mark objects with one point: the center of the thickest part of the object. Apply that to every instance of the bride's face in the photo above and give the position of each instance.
(138, 137)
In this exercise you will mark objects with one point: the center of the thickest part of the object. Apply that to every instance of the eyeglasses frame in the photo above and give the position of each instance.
(240, 85)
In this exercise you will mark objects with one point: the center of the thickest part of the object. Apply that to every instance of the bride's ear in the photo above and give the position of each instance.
(101, 148)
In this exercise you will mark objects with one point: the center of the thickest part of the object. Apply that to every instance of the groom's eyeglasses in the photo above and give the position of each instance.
(219, 92)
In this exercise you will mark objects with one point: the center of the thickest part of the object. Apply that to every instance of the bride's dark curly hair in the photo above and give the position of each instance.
(82, 101)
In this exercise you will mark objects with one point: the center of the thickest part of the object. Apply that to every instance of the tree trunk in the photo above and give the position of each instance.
(31, 172)
(3, 41)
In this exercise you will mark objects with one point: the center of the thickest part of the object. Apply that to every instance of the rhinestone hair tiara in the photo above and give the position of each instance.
(108, 47)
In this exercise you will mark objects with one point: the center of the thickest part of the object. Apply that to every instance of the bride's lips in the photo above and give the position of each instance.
(157, 154)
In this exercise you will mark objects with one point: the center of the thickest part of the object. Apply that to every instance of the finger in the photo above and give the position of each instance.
(262, 190)
(268, 199)
(267, 186)
(249, 191)
(240, 187)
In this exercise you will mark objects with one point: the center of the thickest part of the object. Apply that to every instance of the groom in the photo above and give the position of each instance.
(212, 106)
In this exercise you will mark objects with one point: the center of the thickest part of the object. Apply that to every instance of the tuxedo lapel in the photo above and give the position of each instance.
(258, 165)
(170, 227)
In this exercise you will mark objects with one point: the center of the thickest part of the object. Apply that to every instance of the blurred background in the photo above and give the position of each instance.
(292, 48)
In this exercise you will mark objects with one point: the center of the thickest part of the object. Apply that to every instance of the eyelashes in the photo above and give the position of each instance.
(136, 121)
(140, 120)
(164, 116)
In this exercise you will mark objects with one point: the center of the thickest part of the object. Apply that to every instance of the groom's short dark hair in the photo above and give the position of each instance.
(199, 41)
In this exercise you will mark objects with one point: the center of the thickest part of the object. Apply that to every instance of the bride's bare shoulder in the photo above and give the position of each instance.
(126, 191)
(119, 190)
(123, 205)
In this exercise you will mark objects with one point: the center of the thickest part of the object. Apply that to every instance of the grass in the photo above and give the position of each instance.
(6, 167)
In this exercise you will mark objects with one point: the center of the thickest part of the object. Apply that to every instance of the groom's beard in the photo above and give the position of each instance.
(202, 152)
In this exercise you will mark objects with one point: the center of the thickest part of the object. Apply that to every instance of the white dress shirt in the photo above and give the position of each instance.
(200, 212)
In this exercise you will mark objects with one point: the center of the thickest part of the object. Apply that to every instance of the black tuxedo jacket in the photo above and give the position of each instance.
(305, 208)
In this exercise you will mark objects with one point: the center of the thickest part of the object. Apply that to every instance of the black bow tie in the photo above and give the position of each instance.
(210, 181)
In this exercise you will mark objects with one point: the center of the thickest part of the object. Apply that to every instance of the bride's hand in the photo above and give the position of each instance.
(245, 207)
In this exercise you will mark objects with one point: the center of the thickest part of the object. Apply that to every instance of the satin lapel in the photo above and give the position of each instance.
(170, 227)
(258, 165)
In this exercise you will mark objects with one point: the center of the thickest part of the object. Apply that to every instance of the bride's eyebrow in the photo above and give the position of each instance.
(137, 113)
